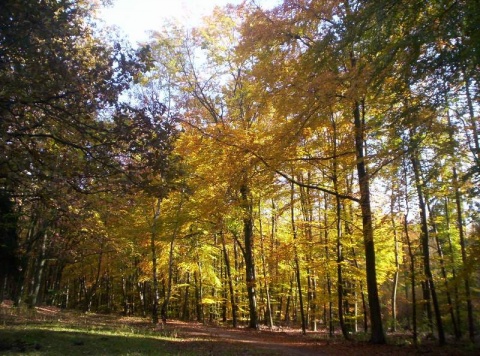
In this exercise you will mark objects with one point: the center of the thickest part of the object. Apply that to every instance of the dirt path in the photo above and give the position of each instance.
(292, 342)
(266, 342)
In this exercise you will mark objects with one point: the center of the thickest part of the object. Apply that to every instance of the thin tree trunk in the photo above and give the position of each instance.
(249, 258)
(312, 298)
(461, 229)
(463, 249)
(153, 249)
(230, 281)
(307, 212)
(339, 231)
(38, 272)
(340, 282)
(199, 293)
(443, 271)
(186, 299)
(166, 301)
(126, 309)
(289, 299)
(377, 335)
(264, 270)
(397, 267)
(297, 262)
(163, 312)
(473, 121)
(430, 286)
(327, 269)
(22, 268)
(454, 271)
(90, 293)
(140, 287)
(412, 278)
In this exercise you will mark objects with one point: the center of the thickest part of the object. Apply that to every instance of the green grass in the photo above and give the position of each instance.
(54, 340)
(46, 338)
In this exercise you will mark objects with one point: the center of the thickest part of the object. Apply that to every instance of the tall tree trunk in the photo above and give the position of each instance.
(140, 287)
(412, 278)
(126, 308)
(397, 266)
(307, 212)
(153, 249)
(460, 224)
(91, 292)
(443, 270)
(378, 335)
(168, 293)
(249, 258)
(230, 281)
(312, 299)
(340, 282)
(339, 231)
(454, 271)
(199, 293)
(463, 249)
(288, 302)
(269, 315)
(327, 269)
(473, 121)
(38, 272)
(297, 262)
(24, 262)
(429, 284)
(186, 300)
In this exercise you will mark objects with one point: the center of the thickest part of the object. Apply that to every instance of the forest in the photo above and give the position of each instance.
(314, 165)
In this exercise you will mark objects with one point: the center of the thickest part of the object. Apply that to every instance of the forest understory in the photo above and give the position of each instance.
(53, 331)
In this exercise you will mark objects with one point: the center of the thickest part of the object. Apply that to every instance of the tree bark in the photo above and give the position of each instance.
(269, 315)
(38, 272)
(249, 258)
(443, 270)
(430, 286)
(454, 271)
(166, 301)
(307, 212)
(412, 278)
(297, 262)
(327, 270)
(153, 249)
(397, 266)
(377, 335)
(199, 293)
(460, 224)
(230, 281)
(186, 300)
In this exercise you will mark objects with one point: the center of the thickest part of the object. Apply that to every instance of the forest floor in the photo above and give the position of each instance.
(51, 331)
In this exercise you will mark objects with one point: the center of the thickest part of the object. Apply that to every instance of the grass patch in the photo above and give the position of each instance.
(57, 339)
(54, 340)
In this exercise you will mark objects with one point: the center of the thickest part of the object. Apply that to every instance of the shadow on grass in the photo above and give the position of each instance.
(41, 341)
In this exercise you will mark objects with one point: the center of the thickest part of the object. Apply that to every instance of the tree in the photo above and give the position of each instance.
(61, 84)
(222, 111)
(318, 42)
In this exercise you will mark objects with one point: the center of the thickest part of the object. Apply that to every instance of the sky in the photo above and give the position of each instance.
(135, 18)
